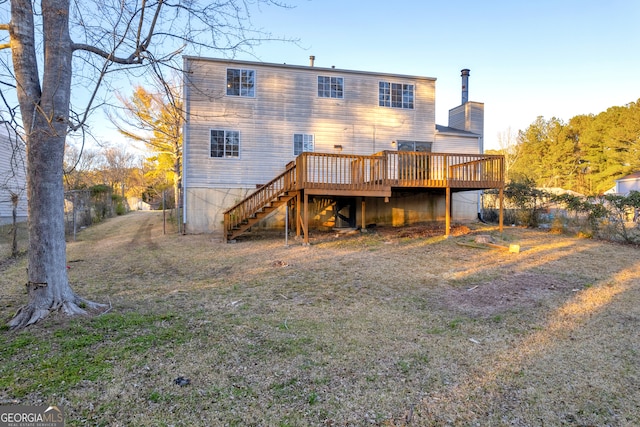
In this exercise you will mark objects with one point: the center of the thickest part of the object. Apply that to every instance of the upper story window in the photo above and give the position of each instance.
(241, 82)
(330, 87)
(395, 95)
(302, 142)
(225, 143)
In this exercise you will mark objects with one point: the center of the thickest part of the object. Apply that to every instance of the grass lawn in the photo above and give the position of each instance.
(394, 327)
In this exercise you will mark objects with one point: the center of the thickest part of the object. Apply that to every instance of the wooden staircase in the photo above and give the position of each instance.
(258, 216)
(260, 204)
(321, 205)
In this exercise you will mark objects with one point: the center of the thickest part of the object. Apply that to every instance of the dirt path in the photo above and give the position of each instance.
(147, 226)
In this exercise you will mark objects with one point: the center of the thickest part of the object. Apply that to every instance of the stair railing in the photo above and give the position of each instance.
(263, 196)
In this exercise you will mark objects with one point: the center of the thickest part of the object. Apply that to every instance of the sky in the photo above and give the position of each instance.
(550, 58)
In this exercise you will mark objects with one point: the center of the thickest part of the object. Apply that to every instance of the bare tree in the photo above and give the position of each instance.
(508, 146)
(79, 45)
(118, 165)
(156, 118)
(78, 167)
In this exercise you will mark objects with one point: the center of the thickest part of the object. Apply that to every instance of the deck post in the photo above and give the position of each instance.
(447, 218)
(286, 224)
(225, 236)
(501, 217)
(364, 225)
(305, 227)
(298, 210)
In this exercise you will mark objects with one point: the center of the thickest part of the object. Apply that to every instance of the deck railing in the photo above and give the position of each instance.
(439, 170)
(340, 172)
(471, 172)
(398, 169)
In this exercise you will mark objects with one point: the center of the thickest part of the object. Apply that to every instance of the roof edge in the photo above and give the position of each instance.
(453, 131)
(303, 67)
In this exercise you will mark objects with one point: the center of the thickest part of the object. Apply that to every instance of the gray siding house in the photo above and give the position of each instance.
(627, 184)
(247, 121)
(12, 175)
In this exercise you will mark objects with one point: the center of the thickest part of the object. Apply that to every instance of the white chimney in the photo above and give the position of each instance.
(311, 60)
(465, 85)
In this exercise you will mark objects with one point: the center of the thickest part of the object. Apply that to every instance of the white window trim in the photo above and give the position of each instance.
(303, 150)
(391, 83)
(255, 82)
(330, 77)
(225, 135)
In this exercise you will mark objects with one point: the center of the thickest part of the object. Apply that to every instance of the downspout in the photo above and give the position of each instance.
(183, 181)
(185, 139)
(481, 192)
(480, 217)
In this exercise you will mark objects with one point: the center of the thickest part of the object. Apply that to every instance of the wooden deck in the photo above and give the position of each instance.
(376, 175)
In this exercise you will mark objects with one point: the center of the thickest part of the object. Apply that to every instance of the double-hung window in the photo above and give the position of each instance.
(241, 82)
(330, 87)
(395, 95)
(225, 143)
(302, 142)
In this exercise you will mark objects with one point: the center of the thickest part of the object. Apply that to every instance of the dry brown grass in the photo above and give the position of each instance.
(392, 327)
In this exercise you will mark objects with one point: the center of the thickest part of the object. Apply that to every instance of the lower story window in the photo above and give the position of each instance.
(419, 146)
(302, 142)
(225, 143)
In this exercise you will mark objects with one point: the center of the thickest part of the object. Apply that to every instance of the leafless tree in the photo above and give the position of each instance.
(118, 164)
(508, 146)
(60, 47)
(79, 163)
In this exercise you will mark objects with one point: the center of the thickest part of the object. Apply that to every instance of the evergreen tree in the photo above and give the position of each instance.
(586, 155)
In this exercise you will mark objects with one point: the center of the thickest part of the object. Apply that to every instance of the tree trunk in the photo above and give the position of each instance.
(45, 114)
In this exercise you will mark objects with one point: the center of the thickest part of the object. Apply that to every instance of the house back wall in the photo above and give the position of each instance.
(285, 103)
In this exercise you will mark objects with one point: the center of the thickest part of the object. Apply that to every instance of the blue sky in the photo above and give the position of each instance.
(545, 58)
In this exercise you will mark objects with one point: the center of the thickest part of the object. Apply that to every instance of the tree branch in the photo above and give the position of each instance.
(131, 60)
(145, 44)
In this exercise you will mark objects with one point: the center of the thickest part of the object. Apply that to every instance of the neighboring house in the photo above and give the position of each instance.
(627, 184)
(13, 162)
(248, 122)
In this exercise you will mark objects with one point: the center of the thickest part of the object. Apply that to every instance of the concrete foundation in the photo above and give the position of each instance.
(204, 209)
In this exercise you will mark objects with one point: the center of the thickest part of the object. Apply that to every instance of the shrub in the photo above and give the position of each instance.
(527, 200)
(606, 217)
(120, 208)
